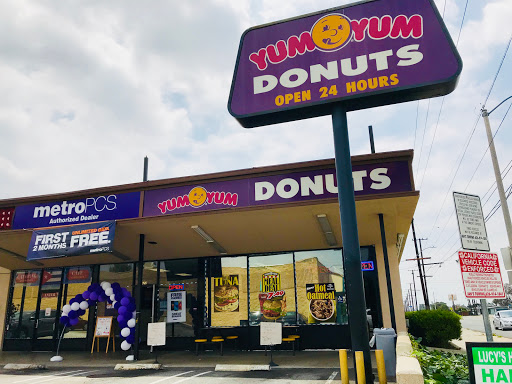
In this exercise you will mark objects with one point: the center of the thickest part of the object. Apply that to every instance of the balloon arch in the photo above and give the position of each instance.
(122, 300)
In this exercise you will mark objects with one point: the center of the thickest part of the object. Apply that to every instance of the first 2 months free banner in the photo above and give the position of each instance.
(72, 241)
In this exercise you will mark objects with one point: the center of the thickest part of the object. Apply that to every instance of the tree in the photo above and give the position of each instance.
(508, 297)
(441, 305)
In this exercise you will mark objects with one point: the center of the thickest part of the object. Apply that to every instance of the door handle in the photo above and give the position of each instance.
(37, 323)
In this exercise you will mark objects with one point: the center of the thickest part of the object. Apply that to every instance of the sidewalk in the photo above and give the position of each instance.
(285, 359)
(469, 335)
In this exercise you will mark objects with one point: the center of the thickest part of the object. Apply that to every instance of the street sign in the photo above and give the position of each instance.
(481, 275)
(489, 362)
(470, 218)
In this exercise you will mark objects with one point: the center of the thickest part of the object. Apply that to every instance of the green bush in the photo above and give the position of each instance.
(435, 327)
(441, 367)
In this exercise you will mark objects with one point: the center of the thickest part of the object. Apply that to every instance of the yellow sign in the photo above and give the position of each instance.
(270, 282)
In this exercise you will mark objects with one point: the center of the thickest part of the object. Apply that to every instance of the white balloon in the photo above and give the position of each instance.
(134, 314)
(102, 284)
(113, 297)
(75, 306)
(125, 345)
(66, 308)
(131, 323)
(125, 332)
(84, 305)
(109, 291)
(106, 285)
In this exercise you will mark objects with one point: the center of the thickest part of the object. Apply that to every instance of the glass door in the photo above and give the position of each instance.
(21, 314)
(48, 310)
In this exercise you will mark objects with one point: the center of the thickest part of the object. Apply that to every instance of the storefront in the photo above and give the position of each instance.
(244, 247)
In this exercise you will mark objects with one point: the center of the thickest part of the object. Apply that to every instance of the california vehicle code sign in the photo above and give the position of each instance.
(364, 55)
(481, 275)
(72, 241)
(489, 362)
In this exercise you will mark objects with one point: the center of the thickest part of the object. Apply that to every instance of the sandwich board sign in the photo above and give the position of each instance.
(489, 362)
(271, 333)
(481, 275)
(470, 217)
(156, 334)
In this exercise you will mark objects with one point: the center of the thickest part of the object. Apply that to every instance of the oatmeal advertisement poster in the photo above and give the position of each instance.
(322, 303)
(225, 292)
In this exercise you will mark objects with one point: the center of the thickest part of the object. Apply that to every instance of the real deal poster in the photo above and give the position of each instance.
(176, 307)
(225, 292)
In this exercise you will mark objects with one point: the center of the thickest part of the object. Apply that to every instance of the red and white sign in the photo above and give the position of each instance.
(481, 275)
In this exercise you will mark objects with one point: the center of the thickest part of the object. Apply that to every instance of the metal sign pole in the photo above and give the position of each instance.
(351, 253)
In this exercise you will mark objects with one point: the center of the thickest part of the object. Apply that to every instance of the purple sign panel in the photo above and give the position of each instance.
(369, 179)
(88, 209)
(364, 55)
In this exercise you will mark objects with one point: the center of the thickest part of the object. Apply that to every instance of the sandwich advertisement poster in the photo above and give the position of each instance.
(322, 303)
(226, 293)
(272, 298)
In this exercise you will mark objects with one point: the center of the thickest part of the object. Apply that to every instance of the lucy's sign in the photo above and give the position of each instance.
(367, 54)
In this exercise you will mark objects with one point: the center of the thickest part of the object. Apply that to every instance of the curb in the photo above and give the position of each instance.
(240, 368)
(20, 367)
(136, 367)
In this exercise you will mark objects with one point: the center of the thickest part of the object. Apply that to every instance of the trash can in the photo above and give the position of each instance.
(385, 339)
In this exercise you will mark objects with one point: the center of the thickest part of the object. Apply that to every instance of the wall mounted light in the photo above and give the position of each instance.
(327, 229)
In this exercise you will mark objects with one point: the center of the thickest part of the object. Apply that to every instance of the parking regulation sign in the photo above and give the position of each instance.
(481, 275)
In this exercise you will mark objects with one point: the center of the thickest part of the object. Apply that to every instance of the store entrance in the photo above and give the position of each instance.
(35, 301)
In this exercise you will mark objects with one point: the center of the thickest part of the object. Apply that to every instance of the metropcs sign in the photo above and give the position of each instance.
(368, 54)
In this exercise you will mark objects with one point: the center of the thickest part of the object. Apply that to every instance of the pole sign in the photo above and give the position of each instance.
(481, 275)
(72, 241)
(364, 55)
(489, 362)
(470, 217)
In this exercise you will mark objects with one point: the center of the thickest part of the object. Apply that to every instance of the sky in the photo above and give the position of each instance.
(89, 88)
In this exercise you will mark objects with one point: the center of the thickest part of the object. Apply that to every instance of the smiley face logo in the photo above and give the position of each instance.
(331, 32)
(197, 196)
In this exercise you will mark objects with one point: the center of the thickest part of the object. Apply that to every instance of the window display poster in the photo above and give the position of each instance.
(176, 307)
(225, 292)
(322, 303)
(272, 298)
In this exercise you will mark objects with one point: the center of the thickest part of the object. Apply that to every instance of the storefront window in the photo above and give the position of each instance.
(228, 288)
(320, 287)
(180, 302)
(76, 281)
(22, 308)
(272, 289)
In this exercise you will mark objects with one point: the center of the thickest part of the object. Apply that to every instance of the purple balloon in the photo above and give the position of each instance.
(93, 296)
(120, 319)
(117, 305)
(81, 312)
(119, 296)
(72, 314)
(125, 301)
(73, 300)
(115, 286)
(79, 298)
(73, 321)
(101, 298)
(123, 324)
(86, 295)
(131, 307)
(122, 310)
(64, 320)
(131, 339)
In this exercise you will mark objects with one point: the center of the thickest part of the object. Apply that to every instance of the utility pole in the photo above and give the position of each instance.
(414, 285)
(423, 288)
(427, 303)
(497, 175)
